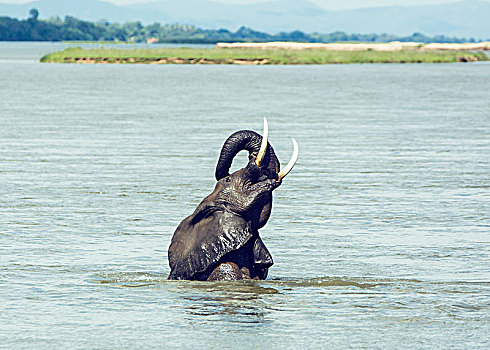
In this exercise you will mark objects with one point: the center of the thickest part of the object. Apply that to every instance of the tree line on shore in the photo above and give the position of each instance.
(73, 29)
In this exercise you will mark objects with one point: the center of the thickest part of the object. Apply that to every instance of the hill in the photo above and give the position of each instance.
(467, 18)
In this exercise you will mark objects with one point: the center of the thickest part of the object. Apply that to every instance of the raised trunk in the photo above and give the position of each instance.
(245, 140)
(250, 141)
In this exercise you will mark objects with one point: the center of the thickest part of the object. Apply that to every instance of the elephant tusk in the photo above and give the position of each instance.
(291, 163)
(263, 145)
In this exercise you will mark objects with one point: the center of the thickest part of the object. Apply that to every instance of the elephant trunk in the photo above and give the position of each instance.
(245, 140)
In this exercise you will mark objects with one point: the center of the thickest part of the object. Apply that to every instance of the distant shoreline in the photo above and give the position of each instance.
(282, 53)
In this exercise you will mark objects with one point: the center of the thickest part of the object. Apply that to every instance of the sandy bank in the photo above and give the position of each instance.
(483, 46)
(392, 46)
(169, 60)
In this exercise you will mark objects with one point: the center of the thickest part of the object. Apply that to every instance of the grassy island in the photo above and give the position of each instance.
(255, 56)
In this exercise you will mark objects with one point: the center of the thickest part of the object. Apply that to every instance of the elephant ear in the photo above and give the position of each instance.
(262, 256)
(202, 239)
(262, 259)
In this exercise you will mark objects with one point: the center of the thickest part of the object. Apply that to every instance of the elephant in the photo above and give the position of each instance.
(220, 239)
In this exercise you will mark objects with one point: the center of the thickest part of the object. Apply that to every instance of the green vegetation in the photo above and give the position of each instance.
(254, 56)
(100, 42)
(71, 29)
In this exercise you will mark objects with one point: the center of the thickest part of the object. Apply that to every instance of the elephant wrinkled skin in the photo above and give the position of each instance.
(220, 240)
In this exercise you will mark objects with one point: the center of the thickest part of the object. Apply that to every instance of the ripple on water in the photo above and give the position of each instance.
(379, 235)
(276, 285)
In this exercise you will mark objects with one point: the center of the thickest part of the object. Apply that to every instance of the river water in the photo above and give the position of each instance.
(380, 234)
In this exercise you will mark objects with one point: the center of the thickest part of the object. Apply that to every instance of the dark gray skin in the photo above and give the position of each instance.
(220, 240)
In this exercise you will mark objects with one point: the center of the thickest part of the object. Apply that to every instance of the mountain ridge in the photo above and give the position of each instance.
(466, 18)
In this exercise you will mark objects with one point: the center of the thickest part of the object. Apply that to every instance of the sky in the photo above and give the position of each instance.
(328, 4)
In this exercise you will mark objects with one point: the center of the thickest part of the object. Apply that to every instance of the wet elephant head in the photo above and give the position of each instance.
(220, 240)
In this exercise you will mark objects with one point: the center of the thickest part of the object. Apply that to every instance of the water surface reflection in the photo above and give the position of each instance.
(379, 237)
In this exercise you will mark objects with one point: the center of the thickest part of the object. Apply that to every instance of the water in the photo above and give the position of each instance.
(380, 234)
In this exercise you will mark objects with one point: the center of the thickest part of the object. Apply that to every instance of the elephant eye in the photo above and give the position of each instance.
(228, 179)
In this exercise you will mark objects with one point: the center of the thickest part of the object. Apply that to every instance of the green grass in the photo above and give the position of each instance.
(273, 56)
